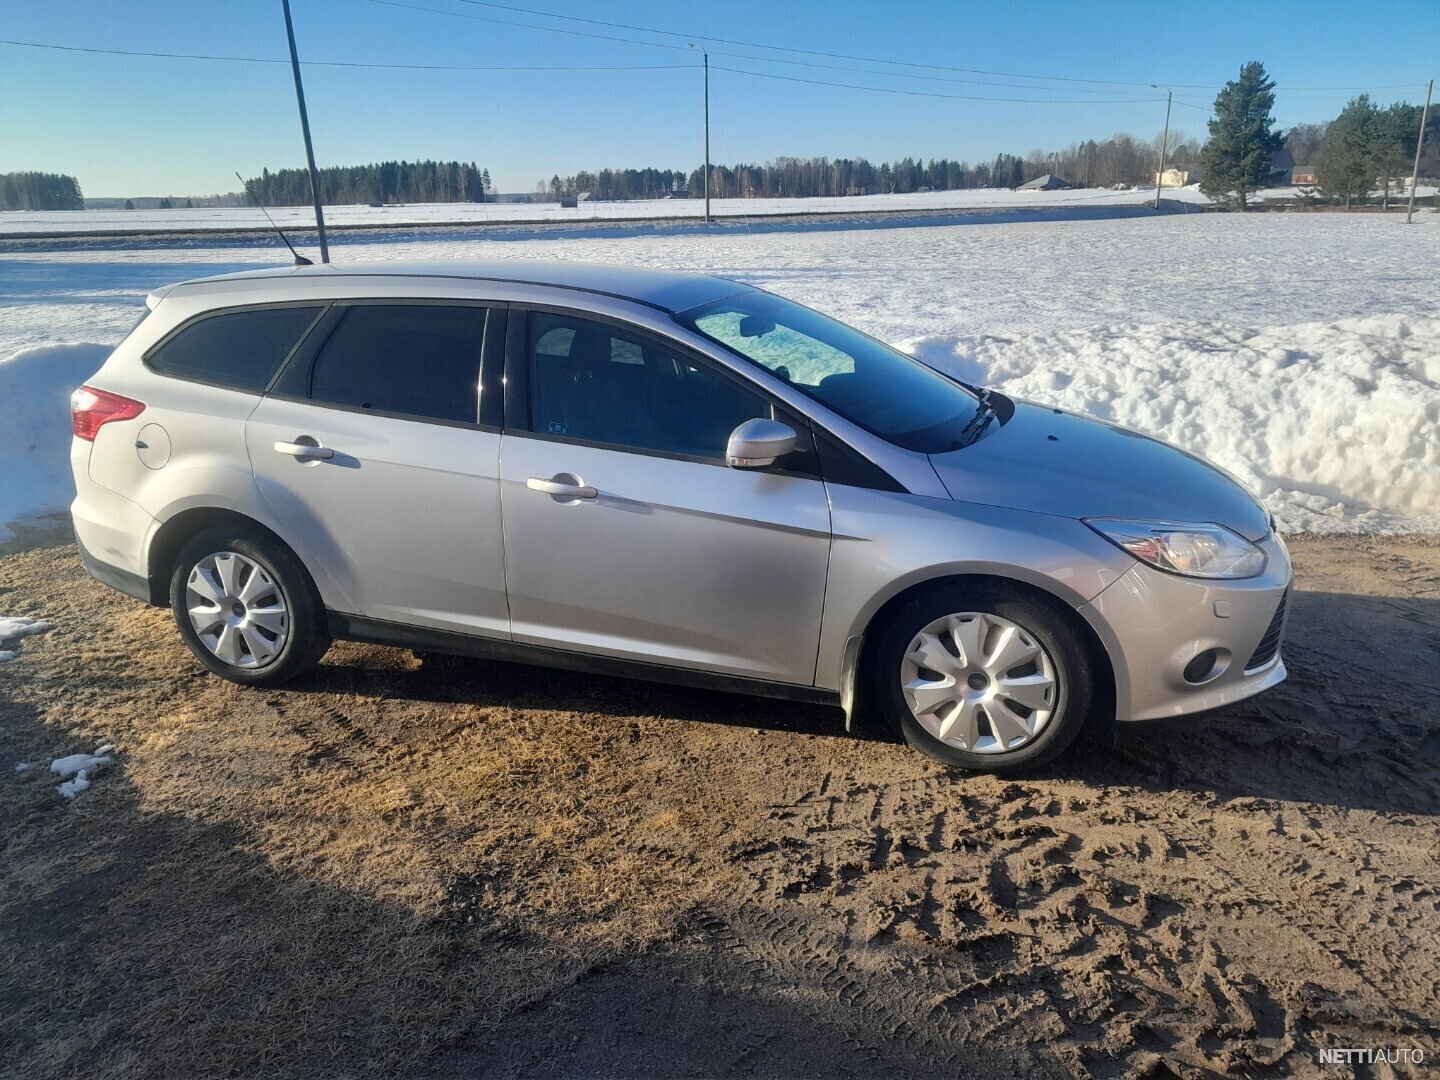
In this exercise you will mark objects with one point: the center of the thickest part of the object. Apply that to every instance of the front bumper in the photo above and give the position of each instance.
(1153, 624)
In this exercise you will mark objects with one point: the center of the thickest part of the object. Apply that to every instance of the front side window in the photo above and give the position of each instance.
(420, 360)
(865, 381)
(238, 349)
(591, 382)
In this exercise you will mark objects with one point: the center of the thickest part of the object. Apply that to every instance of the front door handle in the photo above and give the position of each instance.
(305, 451)
(564, 485)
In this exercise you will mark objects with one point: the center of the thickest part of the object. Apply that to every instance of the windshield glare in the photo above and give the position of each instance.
(865, 381)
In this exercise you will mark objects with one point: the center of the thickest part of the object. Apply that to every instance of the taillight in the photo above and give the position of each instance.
(92, 409)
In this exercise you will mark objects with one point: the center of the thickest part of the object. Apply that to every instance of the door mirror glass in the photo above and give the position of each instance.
(758, 444)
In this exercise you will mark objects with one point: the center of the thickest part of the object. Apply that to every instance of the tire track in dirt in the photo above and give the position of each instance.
(980, 908)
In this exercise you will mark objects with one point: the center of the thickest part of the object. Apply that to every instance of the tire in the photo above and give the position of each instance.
(263, 631)
(1020, 697)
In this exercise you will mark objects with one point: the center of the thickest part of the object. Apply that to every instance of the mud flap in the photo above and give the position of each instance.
(849, 674)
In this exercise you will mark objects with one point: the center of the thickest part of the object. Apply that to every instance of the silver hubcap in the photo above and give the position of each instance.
(237, 610)
(979, 683)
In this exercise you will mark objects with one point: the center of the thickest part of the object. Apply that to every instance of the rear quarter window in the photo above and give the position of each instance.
(241, 350)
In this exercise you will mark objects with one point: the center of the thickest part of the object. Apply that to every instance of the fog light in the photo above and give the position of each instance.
(1201, 667)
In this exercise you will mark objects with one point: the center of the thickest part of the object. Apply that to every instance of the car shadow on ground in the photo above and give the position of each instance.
(1354, 725)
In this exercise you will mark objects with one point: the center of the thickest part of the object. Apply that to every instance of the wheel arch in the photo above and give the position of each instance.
(177, 531)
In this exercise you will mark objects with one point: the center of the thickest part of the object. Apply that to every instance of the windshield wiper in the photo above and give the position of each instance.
(984, 413)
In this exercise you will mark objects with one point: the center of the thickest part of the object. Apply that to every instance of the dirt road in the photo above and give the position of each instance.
(454, 868)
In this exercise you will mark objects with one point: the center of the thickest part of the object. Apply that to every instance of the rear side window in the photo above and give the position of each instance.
(238, 349)
(419, 360)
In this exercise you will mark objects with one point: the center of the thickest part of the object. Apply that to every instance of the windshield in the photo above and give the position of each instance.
(865, 381)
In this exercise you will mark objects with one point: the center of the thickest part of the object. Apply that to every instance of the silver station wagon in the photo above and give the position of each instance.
(661, 476)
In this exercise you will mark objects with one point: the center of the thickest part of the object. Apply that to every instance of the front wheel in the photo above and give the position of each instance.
(981, 678)
(247, 608)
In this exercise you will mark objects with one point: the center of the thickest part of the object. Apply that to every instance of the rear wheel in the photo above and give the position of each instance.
(246, 607)
(981, 678)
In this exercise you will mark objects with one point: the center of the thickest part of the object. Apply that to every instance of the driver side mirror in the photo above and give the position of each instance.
(758, 444)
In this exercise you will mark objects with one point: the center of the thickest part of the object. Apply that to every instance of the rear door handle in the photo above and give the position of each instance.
(564, 489)
(305, 451)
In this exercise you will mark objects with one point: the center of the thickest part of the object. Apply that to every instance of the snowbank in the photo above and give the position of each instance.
(1336, 425)
(35, 387)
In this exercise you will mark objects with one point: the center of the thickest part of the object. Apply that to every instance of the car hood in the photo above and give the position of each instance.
(1053, 462)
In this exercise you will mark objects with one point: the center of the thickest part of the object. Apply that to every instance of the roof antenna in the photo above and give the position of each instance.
(300, 260)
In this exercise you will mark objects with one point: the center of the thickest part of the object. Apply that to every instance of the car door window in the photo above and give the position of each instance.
(420, 360)
(592, 382)
(238, 349)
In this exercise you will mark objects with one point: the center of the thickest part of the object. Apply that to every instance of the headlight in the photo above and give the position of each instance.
(1194, 550)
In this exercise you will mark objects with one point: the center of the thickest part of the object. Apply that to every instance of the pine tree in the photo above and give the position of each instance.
(1393, 145)
(1346, 165)
(129, 204)
(1237, 159)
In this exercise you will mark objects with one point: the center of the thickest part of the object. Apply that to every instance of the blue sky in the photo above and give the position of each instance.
(142, 126)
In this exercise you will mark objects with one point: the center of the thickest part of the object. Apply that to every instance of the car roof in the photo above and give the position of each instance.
(669, 290)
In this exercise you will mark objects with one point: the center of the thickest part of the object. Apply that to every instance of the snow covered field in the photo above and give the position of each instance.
(221, 218)
(1301, 352)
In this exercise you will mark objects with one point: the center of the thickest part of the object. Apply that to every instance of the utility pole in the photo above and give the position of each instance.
(706, 55)
(1164, 142)
(1419, 145)
(305, 129)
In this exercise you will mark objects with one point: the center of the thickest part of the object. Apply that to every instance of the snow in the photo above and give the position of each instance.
(15, 627)
(243, 217)
(1336, 424)
(229, 218)
(226, 218)
(1299, 351)
(35, 438)
(79, 768)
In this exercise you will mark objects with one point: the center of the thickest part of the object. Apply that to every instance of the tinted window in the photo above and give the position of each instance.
(418, 360)
(241, 349)
(882, 390)
(591, 382)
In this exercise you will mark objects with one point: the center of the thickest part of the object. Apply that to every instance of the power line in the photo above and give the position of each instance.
(526, 26)
(340, 63)
(803, 52)
(907, 75)
(761, 74)
(633, 67)
(829, 55)
(931, 94)
(647, 67)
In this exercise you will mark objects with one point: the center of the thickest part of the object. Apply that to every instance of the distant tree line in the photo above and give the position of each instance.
(1119, 159)
(386, 182)
(40, 191)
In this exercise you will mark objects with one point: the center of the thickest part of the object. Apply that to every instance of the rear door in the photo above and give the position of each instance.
(664, 555)
(372, 450)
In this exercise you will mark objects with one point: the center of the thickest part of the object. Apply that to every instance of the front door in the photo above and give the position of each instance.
(625, 532)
